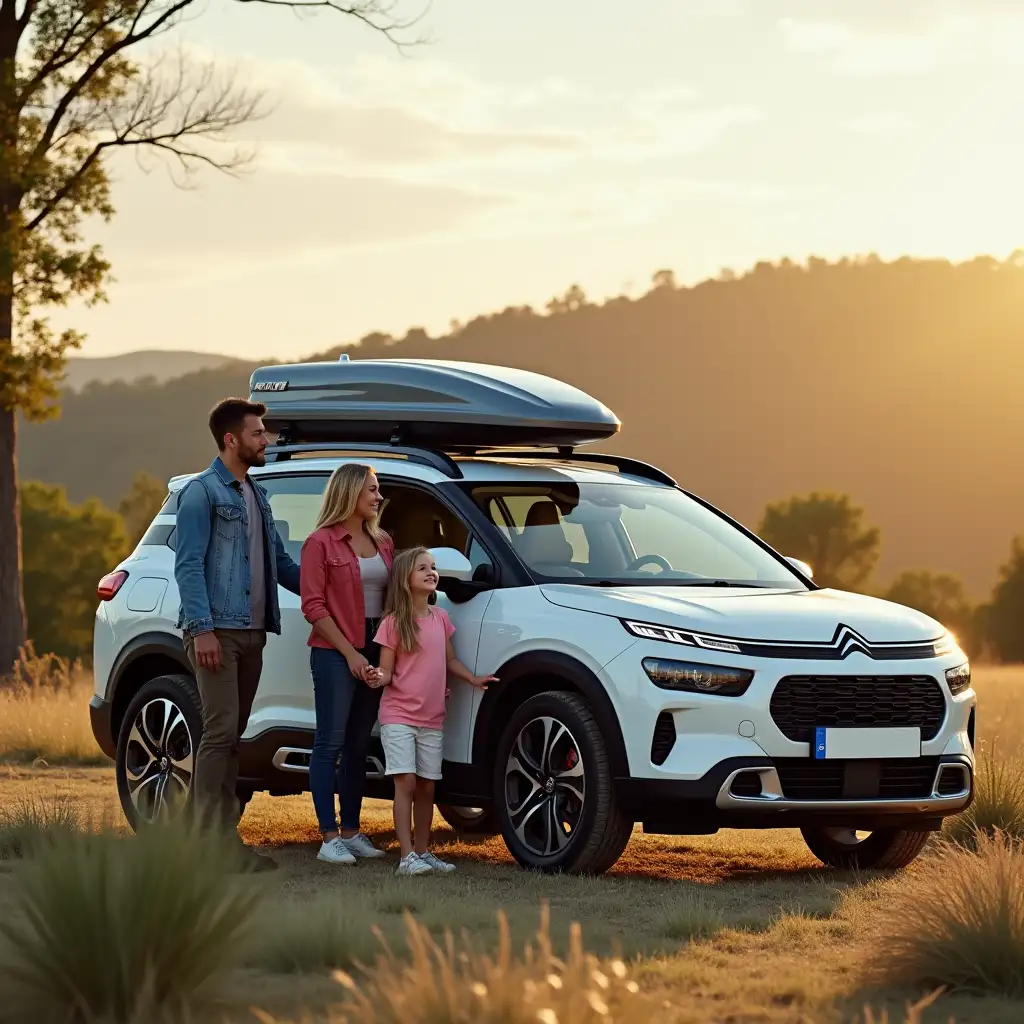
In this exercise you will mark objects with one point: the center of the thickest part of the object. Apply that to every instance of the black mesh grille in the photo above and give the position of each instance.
(902, 778)
(952, 780)
(664, 738)
(746, 784)
(802, 703)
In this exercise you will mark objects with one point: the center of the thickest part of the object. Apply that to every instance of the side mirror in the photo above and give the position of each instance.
(452, 564)
(801, 567)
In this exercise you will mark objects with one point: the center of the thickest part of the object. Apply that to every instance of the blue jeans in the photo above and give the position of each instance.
(346, 709)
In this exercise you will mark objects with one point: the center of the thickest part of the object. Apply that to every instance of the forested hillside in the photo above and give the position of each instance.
(898, 383)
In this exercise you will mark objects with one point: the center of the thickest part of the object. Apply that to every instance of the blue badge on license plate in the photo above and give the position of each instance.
(819, 744)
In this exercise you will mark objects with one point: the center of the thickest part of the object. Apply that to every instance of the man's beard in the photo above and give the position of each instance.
(256, 457)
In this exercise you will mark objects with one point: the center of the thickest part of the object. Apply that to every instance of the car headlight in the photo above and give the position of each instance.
(671, 635)
(958, 679)
(946, 644)
(694, 678)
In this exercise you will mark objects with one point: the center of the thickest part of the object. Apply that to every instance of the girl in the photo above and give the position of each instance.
(345, 566)
(416, 657)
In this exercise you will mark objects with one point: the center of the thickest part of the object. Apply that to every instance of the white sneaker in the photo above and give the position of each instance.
(413, 865)
(335, 852)
(436, 864)
(360, 846)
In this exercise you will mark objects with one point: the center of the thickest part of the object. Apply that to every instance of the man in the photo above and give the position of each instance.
(228, 562)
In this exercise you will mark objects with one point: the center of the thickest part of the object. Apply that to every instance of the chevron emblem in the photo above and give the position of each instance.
(847, 640)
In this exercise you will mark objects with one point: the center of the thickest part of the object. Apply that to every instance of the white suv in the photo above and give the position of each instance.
(658, 663)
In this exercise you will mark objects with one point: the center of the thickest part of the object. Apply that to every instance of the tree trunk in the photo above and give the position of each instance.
(12, 603)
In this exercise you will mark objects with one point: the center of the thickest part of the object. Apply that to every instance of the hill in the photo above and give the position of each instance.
(159, 365)
(895, 382)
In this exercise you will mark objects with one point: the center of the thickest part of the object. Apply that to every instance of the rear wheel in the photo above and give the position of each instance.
(887, 849)
(470, 821)
(156, 748)
(554, 791)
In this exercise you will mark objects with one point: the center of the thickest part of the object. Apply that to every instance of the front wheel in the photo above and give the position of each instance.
(887, 849)
(554, 791)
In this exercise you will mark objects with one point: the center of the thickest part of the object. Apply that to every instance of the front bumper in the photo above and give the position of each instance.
(101, 719)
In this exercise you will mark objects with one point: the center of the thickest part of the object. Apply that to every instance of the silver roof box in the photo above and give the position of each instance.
(431, 403)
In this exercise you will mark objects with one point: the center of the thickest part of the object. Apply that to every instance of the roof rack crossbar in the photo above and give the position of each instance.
(422, 456)
(620, 462)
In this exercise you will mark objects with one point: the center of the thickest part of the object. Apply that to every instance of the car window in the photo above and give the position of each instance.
(295, 501)
(627, 533)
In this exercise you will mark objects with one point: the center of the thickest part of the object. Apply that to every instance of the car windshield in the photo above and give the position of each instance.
(627, 534)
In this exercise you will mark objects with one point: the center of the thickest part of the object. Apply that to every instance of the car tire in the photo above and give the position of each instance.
(553, 788)
(887, 849)
(470, 821)
(156, 746)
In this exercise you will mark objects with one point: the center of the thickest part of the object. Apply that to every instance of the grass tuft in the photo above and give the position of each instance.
(33, 824)
(998, 805)
(303, 938)
(449, 983)
(119, 929)
(958, 921)
(44, 716)
(692, 916)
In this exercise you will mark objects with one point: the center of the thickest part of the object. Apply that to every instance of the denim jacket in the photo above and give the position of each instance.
(211, 558)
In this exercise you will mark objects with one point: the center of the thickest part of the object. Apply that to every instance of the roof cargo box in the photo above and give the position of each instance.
(426, 402)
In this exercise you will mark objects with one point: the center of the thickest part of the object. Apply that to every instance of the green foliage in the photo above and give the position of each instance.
(942, 596)
(1004, 614)
(827, 531)
(67, 549)
(140, 505)
(124, 930)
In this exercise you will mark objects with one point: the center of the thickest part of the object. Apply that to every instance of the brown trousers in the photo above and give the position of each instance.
(227, 698)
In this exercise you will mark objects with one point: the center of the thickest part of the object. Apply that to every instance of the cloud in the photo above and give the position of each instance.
(883, 122)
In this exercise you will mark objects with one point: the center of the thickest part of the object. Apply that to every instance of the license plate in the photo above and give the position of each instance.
(866, 743)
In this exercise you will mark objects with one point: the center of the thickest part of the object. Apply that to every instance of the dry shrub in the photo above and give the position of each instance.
(915, 1011)
(44, 714)
(440, 984)
(998, 803)
(958, 921)
(121, 930)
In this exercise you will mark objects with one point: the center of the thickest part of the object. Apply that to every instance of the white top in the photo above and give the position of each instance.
(374, 575)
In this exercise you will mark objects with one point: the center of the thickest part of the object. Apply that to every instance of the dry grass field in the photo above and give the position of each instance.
(737, 927)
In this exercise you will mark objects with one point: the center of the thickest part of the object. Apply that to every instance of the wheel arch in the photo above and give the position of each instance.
(143, 658)
(535, 672)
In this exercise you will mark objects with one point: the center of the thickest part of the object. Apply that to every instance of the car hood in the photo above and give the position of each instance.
(753, 614)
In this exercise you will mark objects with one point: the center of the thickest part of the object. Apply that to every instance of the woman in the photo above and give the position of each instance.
(345, 565)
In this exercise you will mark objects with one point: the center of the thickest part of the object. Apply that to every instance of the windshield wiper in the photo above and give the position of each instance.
(718, 583)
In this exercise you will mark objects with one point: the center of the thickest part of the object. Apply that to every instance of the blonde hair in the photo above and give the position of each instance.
(399, 604)
(341, 496)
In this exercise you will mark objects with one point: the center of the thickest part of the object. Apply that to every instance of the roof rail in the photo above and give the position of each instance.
(620, 462)
(422, 456)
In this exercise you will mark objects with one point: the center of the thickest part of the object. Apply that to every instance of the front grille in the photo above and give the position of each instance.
(899, 778)
(664, 738)
(800, 704)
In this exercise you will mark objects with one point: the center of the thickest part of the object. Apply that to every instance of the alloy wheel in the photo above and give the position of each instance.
(159, 761)
(545, 786)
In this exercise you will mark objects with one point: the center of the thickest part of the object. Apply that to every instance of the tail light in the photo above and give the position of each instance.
(108, 587)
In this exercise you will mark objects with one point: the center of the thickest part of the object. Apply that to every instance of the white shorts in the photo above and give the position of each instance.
(412, 750)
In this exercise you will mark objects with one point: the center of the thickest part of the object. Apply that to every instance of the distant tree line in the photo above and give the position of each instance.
(69, 547)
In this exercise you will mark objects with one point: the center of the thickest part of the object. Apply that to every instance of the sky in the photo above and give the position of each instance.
(528, 146)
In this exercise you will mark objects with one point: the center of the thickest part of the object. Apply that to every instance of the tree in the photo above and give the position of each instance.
(1005, 612)
(67, 549)
(827, 532)
(575, 298)
(940, 595)
(71, 93)
(140, 505)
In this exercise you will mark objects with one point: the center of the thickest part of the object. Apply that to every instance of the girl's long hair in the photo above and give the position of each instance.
(341, 497)
(399, 603)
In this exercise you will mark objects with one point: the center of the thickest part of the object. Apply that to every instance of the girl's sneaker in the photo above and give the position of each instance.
(413, 864)
(360, 846)
(335, 852)
(436, 864)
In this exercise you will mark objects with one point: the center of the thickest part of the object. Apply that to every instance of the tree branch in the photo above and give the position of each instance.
(377, 14)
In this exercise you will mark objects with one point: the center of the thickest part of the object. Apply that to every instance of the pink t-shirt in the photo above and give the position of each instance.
(415, 695)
